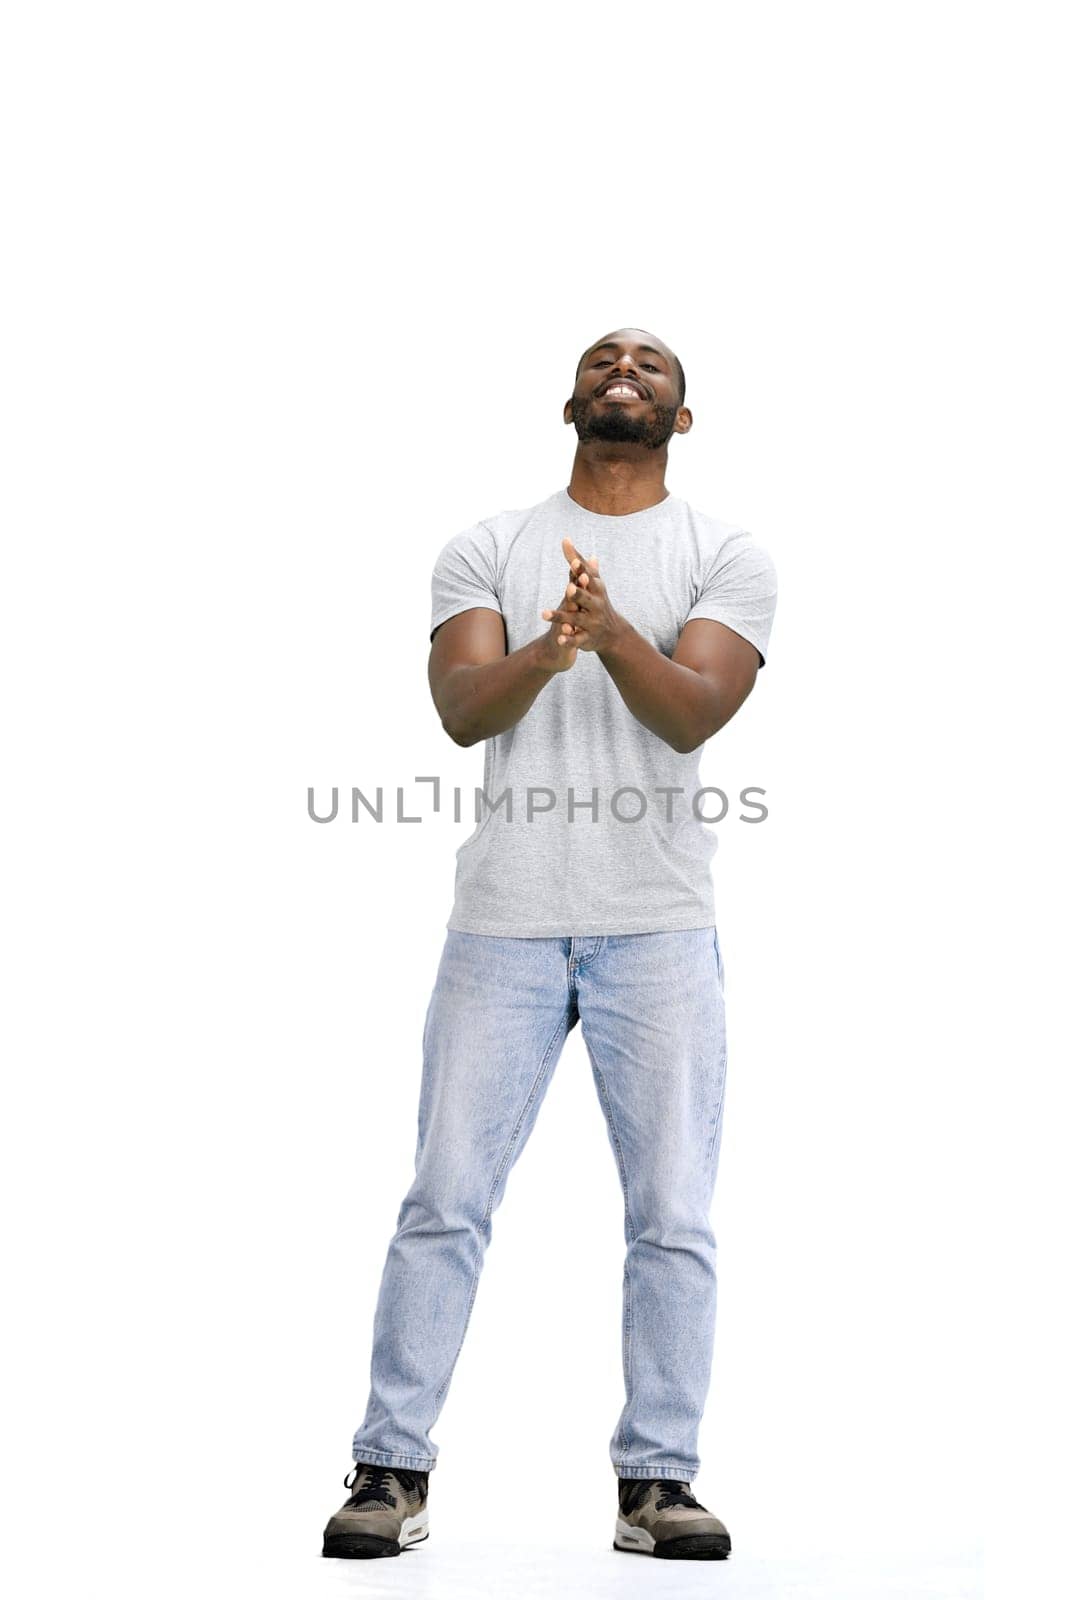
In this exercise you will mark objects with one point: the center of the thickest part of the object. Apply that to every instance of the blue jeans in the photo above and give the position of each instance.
(652, 1015)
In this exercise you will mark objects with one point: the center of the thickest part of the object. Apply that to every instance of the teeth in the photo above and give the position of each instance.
(622, 388)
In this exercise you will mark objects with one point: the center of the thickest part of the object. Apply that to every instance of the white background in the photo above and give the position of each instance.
(295, 292)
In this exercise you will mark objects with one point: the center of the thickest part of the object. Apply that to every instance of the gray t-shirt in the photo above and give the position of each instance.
(631, 862)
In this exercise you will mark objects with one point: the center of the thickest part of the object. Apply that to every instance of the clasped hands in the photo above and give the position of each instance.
(586, 618)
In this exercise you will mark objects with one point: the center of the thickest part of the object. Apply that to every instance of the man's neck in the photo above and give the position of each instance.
(617, 488)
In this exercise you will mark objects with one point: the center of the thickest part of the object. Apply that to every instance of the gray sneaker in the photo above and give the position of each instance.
(659, 1517)
(385, 1512)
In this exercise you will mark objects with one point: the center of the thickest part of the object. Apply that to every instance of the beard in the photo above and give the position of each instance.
(616, 423)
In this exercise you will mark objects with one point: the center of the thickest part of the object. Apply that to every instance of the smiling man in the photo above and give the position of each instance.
(583, 895)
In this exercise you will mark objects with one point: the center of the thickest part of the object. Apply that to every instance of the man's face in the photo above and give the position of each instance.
(626, 392)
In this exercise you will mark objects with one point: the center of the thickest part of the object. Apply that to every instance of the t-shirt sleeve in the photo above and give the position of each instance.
(464, 575)
(740, 590)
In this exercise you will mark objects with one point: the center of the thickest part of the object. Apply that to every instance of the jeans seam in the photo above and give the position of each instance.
(447, 1379)
(520, 1120)
(720, 965)
(717, 1118)
(630, 1230)
(394, 1458)
(487, 1214)
(709, 1149)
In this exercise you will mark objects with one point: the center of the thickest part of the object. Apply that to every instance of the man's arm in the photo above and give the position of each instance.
(687, 698)
(478, 689)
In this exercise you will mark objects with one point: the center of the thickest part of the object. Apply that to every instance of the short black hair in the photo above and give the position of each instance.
(677, 365)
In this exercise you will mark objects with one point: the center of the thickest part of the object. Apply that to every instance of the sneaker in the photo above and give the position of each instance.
(385, 1512)
(659, 1517)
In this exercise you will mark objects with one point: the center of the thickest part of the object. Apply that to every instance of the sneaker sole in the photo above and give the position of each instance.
(367, 1546)
(692, 1547)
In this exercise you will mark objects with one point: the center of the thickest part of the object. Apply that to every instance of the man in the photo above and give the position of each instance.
(583, 893)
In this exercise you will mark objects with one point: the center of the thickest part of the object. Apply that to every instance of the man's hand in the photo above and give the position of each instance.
(560, 646)
(575, 562)
(684, 699)
(577, 574)
(597, 624)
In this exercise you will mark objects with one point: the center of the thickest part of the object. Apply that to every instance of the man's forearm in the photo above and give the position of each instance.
(675, 702)
(478, 702)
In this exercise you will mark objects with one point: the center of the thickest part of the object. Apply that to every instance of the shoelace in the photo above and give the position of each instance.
(374, 1486)
(676, 1494)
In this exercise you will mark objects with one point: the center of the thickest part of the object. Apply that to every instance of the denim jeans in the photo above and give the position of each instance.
(653, 1023)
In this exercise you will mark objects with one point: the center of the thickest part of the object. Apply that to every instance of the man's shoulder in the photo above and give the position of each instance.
(713, 529)
(501, 523)
(720, 533)
(495, 534)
